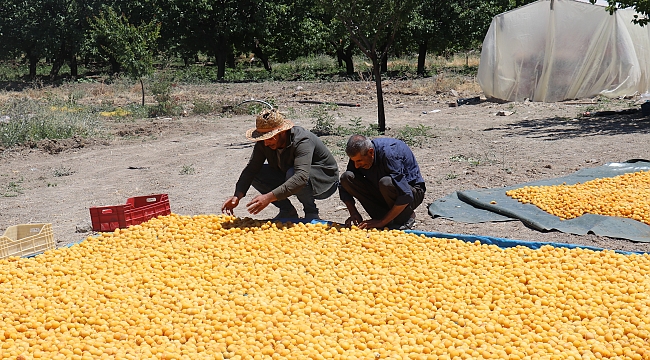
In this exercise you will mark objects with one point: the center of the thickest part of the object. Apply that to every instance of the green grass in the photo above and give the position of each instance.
(311, 68)
(13, 188)
(414, 136)
(187, 170)
(30, 121)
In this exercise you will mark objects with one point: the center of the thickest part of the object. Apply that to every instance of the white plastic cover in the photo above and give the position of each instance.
(564, 49)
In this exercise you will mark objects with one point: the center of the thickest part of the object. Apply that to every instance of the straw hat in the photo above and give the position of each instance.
(268, 123)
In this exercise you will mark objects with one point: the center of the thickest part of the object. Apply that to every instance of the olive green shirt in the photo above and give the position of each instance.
(305, 152)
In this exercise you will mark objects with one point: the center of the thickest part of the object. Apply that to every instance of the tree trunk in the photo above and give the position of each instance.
(381, 114)
(339, 56)
(231, 60)
(347, 57)
(59, 60)
(33, 60)
(74, 66)
(115, 66)
(142, 86)
(422, 55)
(221, 63)
(263, 58)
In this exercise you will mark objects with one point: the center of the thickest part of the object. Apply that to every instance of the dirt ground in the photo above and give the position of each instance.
(196, 160)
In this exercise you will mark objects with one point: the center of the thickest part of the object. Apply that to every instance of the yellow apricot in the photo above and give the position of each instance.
(182, 287)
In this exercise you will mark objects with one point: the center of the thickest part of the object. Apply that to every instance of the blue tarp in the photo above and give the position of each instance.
(486, 205)
(508, 243)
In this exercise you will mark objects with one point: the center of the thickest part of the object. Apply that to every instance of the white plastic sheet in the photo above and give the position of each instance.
(563, 49)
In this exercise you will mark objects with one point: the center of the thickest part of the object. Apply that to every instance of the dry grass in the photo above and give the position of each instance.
(434, 62)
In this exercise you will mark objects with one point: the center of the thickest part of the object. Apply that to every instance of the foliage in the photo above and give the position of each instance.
(292, 29)
(323, 121)
(234, 35)
(187, 170)
(13, 188)
(356, 127)
(129, 46)
(30, 121)
(202, 107)
(372, 26)
(642, 7)
(63, 171)
(414, 136)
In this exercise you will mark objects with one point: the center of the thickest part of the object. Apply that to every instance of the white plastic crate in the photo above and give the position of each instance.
(26, 240)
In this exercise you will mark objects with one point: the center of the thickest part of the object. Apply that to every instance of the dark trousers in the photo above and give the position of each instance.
(378, 199)
(268, 179)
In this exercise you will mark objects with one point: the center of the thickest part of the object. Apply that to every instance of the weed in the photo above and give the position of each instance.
(255, 108)
(201, 107)
(414, 136)
(451, 176)
(32, 121)
(137, 111)
(323, 121)
(75, 95)
(355, 127)
(14, 188)
(51, 184)
(187, 170)
(473, 161)
(167, 106)
(63, 171)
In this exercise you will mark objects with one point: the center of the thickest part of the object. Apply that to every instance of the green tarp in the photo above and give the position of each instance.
(487, 205)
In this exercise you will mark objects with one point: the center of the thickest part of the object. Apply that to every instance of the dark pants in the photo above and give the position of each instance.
(268, 179)
(378, 199)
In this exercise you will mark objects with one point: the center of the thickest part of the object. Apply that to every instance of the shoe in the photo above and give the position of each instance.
(311, 216)
(287, 214)
(408, 225)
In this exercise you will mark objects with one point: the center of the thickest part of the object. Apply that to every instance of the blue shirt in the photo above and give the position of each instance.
(392, 158)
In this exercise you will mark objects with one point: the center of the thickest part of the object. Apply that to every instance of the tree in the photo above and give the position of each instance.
(642, 7)
(372, 26)
(21, 26)
(130, 46)
(67, 21)
(451, 26)
(215, 26)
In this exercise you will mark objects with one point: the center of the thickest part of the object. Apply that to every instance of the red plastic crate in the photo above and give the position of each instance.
(136, 211)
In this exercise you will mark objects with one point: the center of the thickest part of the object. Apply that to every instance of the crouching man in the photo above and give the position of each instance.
(287, 160)
(385, 177)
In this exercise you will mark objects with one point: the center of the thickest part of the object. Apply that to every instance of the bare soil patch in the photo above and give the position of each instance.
(471, 147)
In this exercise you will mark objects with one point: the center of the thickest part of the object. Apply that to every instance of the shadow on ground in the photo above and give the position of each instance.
(558, 128)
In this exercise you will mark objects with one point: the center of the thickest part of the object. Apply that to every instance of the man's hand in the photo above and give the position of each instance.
(230, 205)
(372, 224)
(260, 202)
(355, 219)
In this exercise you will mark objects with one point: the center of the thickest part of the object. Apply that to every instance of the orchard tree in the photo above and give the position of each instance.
(67, 21)
(431, 26)
(287, 30)
(216, 26)
(642, 7)
(452, 26)
(132, 47)
(372, 26)
(23, 31)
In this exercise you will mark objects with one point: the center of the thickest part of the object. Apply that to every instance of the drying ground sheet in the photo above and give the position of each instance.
(180, 287)
(617, 212)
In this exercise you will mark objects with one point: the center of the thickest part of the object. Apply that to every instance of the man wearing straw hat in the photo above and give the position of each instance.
(287, 160)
